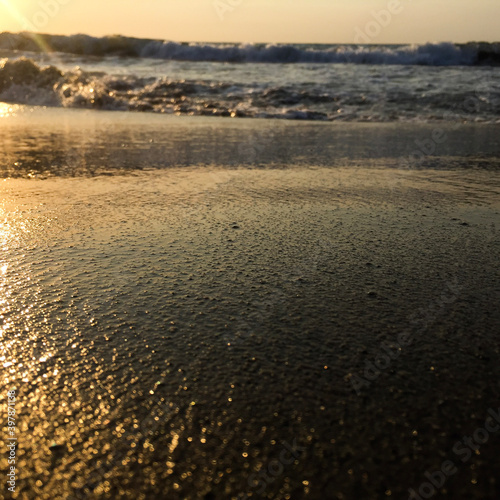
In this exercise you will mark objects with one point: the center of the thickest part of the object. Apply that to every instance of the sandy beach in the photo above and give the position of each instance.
(294, 329)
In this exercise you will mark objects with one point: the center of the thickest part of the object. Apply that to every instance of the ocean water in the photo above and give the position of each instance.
(376, 83)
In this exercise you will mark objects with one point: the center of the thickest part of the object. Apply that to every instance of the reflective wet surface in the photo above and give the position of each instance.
(44, 142)
(201, 332)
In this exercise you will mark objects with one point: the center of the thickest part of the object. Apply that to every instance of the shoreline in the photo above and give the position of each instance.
(68, 143)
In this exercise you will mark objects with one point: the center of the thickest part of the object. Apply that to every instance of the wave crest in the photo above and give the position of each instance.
(22, 81)
(431, 54)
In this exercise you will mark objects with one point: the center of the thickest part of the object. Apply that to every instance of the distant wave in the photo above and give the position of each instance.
(440, 54)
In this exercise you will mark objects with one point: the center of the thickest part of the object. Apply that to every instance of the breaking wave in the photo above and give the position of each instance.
(23, 81)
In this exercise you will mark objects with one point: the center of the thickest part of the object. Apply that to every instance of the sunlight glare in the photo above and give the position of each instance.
(8, 110)
(24, 22)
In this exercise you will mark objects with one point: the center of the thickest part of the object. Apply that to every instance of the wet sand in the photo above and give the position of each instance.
(201, 332)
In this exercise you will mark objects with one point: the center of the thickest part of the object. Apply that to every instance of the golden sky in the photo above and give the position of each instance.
(299, 21)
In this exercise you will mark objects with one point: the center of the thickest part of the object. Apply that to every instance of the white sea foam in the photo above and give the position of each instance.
(344, 92)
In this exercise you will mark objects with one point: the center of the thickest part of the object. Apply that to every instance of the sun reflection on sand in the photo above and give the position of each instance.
(5, 289)
(7, 337)
(12, 227)
(5, 232)
(19, 338)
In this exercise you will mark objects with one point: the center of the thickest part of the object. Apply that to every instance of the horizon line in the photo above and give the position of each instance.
(432, 42)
